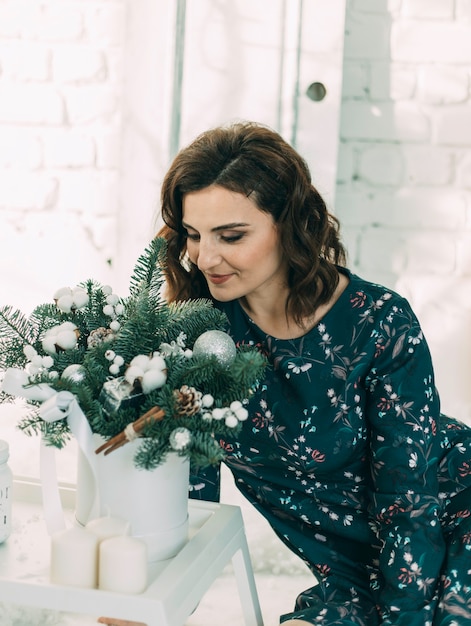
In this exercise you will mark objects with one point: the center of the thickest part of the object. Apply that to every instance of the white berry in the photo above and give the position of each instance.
(109, 355)
(207, 401)
(231, 420)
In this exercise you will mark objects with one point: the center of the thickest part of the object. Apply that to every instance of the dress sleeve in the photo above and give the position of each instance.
(403, 410)
(205, 484)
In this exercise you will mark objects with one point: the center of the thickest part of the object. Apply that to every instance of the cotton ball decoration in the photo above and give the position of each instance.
(133, 373)
(61, 337)
(150, 372)
(218, 344)
(68, 300)
(140, 361)
(81, 298)
(157, 362)
(153, 379)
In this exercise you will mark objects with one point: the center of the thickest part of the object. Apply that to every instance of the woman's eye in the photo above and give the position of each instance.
(232, 238)
(192, 236)
(229, 238)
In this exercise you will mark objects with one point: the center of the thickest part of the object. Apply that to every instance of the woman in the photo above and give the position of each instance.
(345, 452)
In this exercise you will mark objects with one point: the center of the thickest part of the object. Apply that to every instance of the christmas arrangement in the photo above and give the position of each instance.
(135, 366)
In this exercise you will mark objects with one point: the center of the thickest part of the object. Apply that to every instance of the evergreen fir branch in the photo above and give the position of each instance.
(150, 454)
(224, 384)
(194, 317)
(247, 368)
(16, 331)
(205, 450)
(101, 423)
(156, 283)
(69, 357)
(145, 402)
(96, 367)
(31, 424)
(5, 397)
(11, 354)
(54, 434)
(93, 410)
(46, 316)
(14, 323)
(92, 317)
(141, 334)
(148, 270)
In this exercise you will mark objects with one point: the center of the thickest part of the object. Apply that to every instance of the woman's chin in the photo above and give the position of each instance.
(220, 296)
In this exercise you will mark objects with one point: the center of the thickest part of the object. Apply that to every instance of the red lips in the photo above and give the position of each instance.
(218, 279)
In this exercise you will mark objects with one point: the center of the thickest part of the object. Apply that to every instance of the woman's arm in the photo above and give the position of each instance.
(402, 411)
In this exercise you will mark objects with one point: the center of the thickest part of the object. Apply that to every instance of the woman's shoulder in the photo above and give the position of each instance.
(363, 297)
(369, 290)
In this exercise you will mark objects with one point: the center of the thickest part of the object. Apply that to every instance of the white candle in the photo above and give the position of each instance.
(123, 565)
(106, 527)
(74, 555)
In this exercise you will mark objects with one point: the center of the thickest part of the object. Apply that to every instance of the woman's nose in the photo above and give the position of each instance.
(208, 255)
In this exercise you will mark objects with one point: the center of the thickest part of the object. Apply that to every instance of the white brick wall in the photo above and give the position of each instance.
(404, 183)
(61, 89)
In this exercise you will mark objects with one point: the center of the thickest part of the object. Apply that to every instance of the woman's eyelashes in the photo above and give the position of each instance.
(226, 238)
(192, 236)
(233, 237)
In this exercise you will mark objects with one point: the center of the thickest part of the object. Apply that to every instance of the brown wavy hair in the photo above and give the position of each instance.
(253, 160)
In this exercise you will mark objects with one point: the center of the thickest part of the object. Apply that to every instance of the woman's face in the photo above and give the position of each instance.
(234, 244)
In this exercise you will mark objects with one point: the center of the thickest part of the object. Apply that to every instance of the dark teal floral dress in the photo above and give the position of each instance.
(347, 455)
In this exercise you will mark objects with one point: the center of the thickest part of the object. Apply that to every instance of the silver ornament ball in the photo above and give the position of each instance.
(74, 372)
(216, 343)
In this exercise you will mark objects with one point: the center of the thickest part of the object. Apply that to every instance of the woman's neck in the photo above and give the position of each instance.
(271, 316)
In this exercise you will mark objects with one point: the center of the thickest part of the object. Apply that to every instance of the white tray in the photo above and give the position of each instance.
(176, 586)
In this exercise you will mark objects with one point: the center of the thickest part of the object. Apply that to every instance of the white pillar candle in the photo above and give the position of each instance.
(106, 527)
(74, 554)
(123, 565)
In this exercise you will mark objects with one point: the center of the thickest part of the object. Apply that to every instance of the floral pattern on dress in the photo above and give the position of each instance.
(348, 457)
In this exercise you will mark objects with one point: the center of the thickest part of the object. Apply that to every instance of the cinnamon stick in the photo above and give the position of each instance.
(155, 414)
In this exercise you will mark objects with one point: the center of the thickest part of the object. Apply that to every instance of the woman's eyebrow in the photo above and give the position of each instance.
(218, 228)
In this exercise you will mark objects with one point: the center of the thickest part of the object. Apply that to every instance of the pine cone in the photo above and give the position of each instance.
(188, 400)
(99, 335)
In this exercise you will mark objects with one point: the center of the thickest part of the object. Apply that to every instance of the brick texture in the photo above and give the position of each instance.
(61, 94)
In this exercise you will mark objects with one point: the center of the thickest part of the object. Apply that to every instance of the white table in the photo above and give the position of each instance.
(176, 586)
